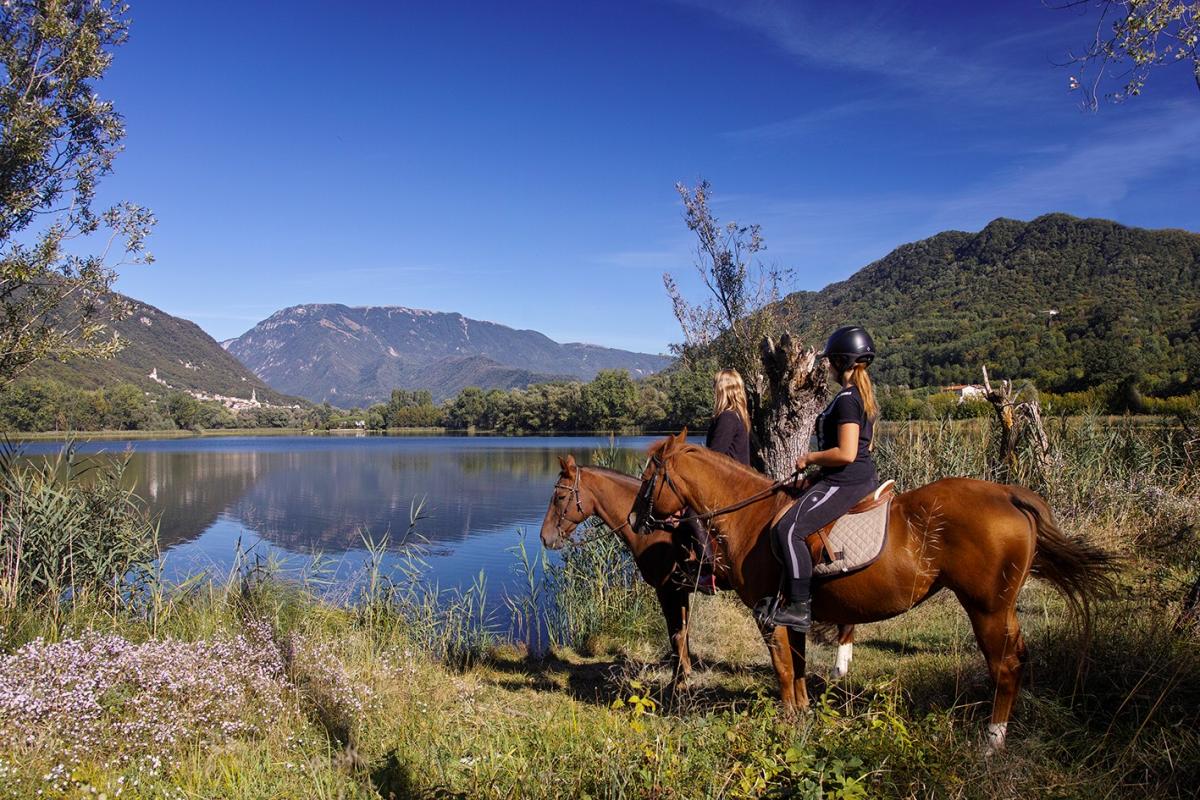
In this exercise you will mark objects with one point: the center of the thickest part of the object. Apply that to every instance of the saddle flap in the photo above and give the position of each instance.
(852, 541)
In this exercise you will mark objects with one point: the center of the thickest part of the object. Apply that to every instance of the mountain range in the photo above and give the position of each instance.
(1069, 303)
(354, 356)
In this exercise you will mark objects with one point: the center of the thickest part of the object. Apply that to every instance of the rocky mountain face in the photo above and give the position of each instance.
(356, 356)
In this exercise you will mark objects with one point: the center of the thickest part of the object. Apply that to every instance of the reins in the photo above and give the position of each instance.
(660, 467)
(762, 494)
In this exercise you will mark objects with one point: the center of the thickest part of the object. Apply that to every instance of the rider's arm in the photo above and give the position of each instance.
(845, 452)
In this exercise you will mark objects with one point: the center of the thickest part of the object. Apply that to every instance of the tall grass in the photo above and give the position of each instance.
(69, 529)
(395, 596)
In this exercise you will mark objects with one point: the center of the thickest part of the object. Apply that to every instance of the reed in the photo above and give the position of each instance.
(68, 529)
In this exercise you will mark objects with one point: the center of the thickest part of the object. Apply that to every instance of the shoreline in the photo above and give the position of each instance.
(64, 436)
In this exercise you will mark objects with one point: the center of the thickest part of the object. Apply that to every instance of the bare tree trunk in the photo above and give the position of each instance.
(1017, 418)
(788, 408)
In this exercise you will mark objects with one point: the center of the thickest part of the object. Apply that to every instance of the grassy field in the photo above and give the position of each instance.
(255, 688)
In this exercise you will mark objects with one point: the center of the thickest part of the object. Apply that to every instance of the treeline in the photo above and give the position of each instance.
(38, 405)
(612, 401)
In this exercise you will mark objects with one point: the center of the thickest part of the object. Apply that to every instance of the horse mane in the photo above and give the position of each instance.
(617, 475)
(613, 473)
(725, 461)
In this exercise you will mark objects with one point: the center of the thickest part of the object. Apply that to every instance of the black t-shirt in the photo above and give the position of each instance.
(727, 434)
(847, 406)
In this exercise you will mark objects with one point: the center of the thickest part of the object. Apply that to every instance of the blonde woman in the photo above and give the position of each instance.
(729, 430)
(728, 433)
(846, 472)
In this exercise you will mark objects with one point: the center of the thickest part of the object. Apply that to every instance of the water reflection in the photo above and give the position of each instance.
(305, 495)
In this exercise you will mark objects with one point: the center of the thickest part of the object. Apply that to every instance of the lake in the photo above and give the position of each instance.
(310, 499)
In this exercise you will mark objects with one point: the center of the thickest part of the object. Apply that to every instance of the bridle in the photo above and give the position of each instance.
(648, 496)
(649, 492)
(573, 489)
(562, 512)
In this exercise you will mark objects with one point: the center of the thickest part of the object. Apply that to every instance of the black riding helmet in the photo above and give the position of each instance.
(849, 345)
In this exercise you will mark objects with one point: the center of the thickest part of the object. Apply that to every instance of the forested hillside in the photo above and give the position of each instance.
(1070, 303)
(182, 356)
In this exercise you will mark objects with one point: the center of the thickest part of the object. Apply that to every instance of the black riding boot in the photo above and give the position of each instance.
(797, 612)
(797, 615)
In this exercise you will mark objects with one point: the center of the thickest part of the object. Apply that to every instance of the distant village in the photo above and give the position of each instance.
(232, 403)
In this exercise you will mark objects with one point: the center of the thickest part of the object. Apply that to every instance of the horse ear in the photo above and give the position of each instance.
(567, 463)
(682, 438)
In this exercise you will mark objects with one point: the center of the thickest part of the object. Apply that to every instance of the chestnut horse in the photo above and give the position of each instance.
(978, 539)
(583, 492)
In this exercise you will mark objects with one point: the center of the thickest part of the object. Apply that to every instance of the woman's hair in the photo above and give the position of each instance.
(860, 378)
(729, 393)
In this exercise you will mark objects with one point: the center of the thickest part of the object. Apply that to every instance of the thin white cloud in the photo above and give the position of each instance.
(803, 123)
(1091, 177)
(881, 40)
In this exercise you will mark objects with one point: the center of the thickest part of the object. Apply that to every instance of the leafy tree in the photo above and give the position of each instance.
(184, 410)
(129, 409)
(610, 400)
(466, 410)
(728, 324)
(736, 324)
(689, 392)
(58, 138)
(1136, 37)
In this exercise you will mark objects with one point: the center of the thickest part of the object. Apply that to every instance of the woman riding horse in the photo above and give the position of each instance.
(847, 472)
(728, 433)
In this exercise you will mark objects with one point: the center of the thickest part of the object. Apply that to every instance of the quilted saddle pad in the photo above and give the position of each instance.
(856, 541)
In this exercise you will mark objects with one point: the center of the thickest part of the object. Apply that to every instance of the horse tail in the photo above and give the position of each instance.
(1080, 570)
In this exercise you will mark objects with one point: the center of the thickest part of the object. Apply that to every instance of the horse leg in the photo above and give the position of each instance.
(798, 642)
(675, 611)
(845, 653)
(999, 636)
(780, 649)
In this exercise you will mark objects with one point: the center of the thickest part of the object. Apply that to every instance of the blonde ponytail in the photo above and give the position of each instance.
(860, 378)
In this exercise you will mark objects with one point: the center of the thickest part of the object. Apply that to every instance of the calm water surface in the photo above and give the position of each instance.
(297, 497)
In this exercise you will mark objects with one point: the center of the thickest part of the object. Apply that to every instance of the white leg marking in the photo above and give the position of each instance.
(844, 656)
(996, 732)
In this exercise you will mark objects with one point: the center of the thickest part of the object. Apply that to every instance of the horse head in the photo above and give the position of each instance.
(658, 497)
(568, 506)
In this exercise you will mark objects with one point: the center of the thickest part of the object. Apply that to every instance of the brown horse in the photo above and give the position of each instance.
(978, 539)
(583, 492)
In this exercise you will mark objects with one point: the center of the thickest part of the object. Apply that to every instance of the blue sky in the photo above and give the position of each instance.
(515, 161)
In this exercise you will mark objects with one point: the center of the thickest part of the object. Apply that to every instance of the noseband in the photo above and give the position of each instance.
(562, 512)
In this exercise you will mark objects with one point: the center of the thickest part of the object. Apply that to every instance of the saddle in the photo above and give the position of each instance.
(819, 543)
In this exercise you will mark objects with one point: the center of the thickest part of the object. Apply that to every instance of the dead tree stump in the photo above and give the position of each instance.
(794, 396)
(1018, 417)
